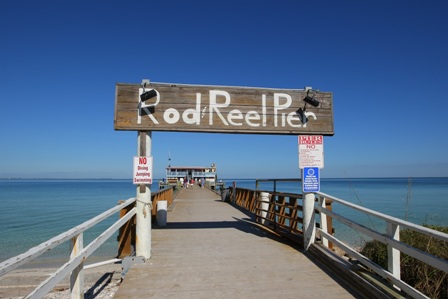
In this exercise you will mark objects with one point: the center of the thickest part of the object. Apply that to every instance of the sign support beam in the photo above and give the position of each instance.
(311, 159)
(309, 218)
(143, 204)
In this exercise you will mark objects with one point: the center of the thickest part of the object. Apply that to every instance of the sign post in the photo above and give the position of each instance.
(311, 159)
(144, 204)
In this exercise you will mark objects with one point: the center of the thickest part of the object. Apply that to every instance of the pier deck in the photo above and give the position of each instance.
(209, 249)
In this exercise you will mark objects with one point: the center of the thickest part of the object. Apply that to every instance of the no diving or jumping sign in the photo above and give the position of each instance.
(142, 170)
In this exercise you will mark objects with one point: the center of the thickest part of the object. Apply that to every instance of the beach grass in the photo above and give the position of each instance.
(426, 279)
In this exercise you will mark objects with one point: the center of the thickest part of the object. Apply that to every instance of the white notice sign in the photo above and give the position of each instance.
(142, 170)
(311, 151)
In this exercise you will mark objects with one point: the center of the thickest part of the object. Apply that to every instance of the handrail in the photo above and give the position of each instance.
(415, 227)
(47, 285)
(16, 261)
(127, 233)
(75, 265)
(391, 239)
(257, 181)
(276, 215)
(280, 211)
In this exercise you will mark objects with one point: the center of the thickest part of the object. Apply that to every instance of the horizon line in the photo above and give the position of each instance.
(283, 178)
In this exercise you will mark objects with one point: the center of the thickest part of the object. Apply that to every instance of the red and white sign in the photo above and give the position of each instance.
(142, 170)
(311, 151)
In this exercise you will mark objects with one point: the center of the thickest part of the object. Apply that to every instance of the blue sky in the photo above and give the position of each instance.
(385, 62)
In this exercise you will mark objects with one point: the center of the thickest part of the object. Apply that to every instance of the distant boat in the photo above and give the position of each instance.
(198, 175)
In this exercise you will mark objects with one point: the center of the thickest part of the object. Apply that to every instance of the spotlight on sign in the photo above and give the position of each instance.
(147, 95)
(312, 101)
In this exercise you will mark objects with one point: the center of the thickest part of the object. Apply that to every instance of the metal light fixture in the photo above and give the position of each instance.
(147, 95)
(308, 99)
(311, 100)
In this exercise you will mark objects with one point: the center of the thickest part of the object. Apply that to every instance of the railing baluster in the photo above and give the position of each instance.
(393, 255)
(323, 220)
(77, 275)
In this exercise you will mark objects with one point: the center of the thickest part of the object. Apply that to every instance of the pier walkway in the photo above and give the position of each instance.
(210, 249)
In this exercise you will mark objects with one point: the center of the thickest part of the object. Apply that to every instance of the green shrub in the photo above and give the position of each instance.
(426, 279)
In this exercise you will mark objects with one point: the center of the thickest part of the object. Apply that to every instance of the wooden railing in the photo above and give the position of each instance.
(280, 211)
(78, 253)
(391, 238)
(127, 233)
(283, 212)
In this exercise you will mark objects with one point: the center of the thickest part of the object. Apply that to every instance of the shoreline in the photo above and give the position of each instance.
(56, 262)
(99, 282)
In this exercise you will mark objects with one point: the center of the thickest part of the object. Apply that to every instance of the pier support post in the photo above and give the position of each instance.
(309, 220)
(143, 205)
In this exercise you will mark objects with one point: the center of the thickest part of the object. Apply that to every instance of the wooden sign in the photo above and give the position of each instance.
(222, 109)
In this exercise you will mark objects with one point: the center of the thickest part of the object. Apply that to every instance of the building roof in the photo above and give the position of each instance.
(187, 167)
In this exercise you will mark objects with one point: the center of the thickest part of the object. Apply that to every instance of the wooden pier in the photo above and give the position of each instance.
(210, 249)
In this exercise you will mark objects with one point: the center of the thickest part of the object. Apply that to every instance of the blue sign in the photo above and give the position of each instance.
(311, 180)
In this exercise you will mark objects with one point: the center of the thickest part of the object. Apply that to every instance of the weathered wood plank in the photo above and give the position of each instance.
(223, 109)
(209, 249)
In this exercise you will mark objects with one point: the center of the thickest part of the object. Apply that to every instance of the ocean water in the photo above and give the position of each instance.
(34, 211)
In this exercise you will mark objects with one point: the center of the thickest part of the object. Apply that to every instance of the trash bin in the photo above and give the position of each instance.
(225, 194)
(264, 206)
(162, 212)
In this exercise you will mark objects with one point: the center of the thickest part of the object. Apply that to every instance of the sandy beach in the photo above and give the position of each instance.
(99, 282)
